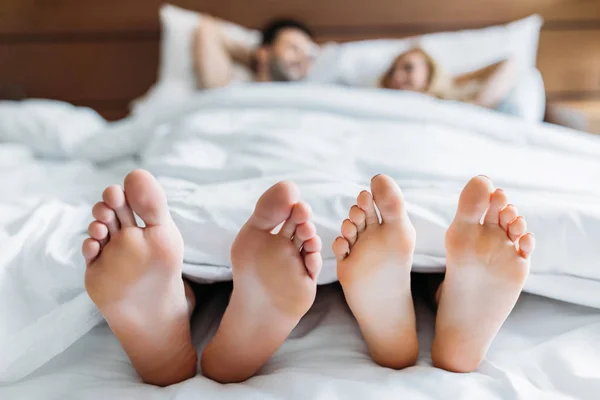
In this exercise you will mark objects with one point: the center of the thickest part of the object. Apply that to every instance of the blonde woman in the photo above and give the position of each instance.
(417, 71)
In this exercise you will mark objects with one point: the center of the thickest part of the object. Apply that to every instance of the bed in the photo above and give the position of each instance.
(214, 152)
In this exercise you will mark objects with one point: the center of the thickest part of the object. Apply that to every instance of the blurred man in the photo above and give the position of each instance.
(286, 54)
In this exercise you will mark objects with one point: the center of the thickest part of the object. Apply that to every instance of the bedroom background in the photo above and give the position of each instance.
(105, 54)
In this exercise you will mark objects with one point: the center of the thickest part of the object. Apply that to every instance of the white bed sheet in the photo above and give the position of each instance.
(218, 152)
(546, 350)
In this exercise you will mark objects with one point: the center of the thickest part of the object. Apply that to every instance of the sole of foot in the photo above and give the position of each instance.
(488, 253)
(133, 276)
(274, 285)
(374, 260)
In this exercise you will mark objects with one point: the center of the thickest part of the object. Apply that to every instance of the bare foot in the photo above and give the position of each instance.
(487, 264)
(134, 277)
(374, 263)
(274, 285)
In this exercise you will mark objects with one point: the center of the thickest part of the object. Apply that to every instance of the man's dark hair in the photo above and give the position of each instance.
(273, 28)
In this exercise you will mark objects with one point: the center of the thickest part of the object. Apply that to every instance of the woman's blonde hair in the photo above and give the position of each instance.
(439, 82)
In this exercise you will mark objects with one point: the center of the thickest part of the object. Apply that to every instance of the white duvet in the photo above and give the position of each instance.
(218, 152)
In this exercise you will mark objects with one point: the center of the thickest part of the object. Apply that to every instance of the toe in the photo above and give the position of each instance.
(146, 197)
(97, 230)
(507, 215)
(304, 232)
(388, 197)
(498, 202)
(517, 228)
(341, 247)
(474, 200)
(107, 216)
(274, 206)
(313, 263)
(357, 215)
(90, 249)
(300, 214)
(365, 202)
(114, 197)
(526, 245)
(349, 231)
(312, 245)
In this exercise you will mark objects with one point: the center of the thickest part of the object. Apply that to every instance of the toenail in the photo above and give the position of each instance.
(485, 176)
(375, 176)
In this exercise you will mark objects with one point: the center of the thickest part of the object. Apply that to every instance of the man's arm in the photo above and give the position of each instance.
(215, 54)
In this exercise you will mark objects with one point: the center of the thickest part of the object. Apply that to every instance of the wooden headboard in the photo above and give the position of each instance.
(104, 53)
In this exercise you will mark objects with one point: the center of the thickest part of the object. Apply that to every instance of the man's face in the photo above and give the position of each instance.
(291, 55)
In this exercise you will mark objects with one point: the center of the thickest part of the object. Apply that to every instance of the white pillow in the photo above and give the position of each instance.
(362, 63)
(176, 77)
(528, 99)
